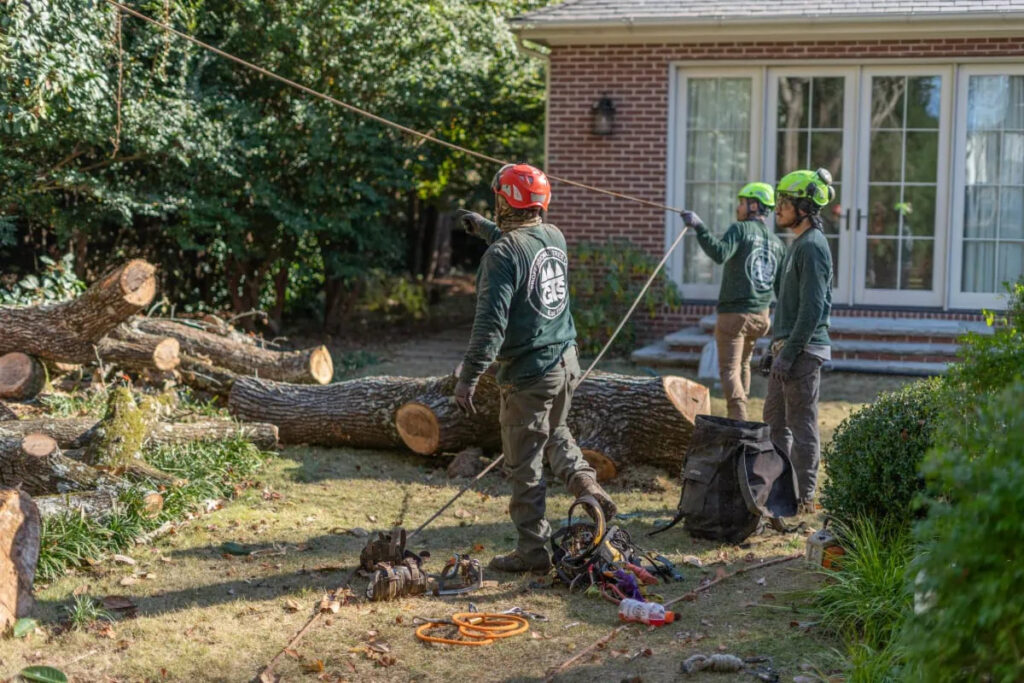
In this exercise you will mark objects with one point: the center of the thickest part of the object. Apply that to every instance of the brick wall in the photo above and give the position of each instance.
(633, 159)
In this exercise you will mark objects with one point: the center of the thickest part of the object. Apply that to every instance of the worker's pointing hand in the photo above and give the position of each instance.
(470, 220)
(464, 397)
(691, 219)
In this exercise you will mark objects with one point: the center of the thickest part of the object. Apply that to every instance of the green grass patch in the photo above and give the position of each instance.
(90, 402)
(213, 470)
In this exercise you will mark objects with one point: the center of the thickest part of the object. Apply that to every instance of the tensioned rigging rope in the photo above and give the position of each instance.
(436, 140)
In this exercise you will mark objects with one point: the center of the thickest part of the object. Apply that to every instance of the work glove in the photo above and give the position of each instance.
(470, 220)
(781, 368)
(766, 364)
(692, 220)
(464, 397)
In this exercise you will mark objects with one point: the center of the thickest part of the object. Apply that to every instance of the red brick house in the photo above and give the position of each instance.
(916, 106)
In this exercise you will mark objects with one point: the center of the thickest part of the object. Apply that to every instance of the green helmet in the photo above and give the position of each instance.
(813, 185)
(762, 192)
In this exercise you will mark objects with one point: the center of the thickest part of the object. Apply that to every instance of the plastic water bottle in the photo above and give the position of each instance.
(645, 612)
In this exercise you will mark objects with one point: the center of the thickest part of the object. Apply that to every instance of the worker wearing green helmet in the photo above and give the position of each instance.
(800, 341)
(752, 257)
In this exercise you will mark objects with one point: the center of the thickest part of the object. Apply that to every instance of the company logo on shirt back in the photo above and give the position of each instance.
(761, 266)
(548, 285)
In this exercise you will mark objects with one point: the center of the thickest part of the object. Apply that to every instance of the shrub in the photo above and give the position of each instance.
(872, 461)
(968, 623)
(604, 281)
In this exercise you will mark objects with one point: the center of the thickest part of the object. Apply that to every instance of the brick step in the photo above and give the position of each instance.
(660, 354)
(923, 330)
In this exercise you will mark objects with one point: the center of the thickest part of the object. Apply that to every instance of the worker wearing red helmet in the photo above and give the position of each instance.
(523, 321)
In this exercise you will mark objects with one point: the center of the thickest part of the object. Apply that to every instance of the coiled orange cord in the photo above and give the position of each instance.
(477, 628)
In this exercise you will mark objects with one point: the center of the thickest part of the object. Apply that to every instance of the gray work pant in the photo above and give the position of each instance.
(534, 429)
(791, 409)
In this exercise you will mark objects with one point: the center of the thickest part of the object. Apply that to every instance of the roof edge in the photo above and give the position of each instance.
(881, 26)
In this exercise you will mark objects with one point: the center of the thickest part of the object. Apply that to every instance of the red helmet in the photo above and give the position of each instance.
(522, 186)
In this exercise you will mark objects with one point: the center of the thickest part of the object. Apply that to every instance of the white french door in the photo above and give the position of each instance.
(901, 216)
(812, 123)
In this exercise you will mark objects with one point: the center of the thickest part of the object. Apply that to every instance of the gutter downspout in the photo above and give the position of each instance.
(536, 54)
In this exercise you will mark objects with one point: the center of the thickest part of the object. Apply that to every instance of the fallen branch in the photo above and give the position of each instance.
(585, 651)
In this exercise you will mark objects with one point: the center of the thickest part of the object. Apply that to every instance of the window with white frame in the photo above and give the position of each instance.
(993, 183)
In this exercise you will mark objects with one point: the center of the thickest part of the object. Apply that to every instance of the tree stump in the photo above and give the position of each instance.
(20, 534)
(68, 331)
(307, 366)
(21, 376)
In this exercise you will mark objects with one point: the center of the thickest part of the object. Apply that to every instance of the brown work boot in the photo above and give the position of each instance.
(582, 484)
(517, 563)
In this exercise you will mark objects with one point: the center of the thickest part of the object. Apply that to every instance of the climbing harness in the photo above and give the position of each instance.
(387, 548)
(589, 555)
(475, 628)
(404, 579)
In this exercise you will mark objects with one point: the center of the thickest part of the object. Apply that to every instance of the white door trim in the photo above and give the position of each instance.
(957, 297)
(891, 297)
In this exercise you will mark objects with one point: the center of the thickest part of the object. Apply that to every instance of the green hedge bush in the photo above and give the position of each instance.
(968, 621)
(872, 461)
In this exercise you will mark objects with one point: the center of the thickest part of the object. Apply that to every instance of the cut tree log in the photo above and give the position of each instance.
(95, 504)
(205, 376)
(130, 349)
(77, 432)
(22, 377)
(6, 414)
(68, 331)
(618, 420)
(35, 463)
(358, 413)
(20, 536)
(307, 366)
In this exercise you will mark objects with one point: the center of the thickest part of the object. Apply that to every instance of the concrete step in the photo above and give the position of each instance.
(684, 341)
(910, 329)
(660, 354)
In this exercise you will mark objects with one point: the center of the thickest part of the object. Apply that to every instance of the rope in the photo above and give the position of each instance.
(368, 114)
(476, 628)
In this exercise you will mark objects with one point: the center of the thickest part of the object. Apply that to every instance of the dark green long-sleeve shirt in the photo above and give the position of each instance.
(753, 259)
(805, 295)
(522, 307)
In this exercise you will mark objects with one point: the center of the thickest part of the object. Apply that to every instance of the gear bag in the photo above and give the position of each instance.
(732, 476)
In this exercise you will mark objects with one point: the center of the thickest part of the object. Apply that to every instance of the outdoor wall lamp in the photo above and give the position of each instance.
(602, 116)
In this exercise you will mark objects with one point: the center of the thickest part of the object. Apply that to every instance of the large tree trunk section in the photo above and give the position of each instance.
(20, 535)
(357, 413)
(36, 464)
(95, 504)
(77, 432)
(130, 349)
(623, 420)
(68, 331)
(308, 366)
(433, 423)
(21, 376)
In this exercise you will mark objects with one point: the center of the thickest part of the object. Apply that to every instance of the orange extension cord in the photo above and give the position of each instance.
(477, 628)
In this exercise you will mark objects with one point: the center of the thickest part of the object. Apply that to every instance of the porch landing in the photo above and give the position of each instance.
(879, 345)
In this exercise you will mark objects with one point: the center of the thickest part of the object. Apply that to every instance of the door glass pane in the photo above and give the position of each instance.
(809, 117)
(717, 161)
(902, 182)
(993, 247)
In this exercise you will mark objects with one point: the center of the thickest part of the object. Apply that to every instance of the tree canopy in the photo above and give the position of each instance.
(119, 139)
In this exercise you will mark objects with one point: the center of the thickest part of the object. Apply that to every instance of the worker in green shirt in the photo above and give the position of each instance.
(800, 342)
(752, 255)
(523, 320)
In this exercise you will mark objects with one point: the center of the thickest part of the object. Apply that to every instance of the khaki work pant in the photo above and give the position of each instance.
(533, 429)
(735, 336)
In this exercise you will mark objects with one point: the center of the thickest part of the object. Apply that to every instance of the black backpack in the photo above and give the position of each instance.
(732, 476)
